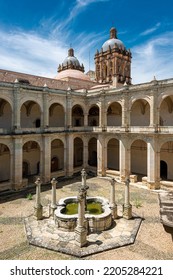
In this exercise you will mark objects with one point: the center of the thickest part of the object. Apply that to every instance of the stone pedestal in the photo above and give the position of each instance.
(127, 207)
(81, 236)
(38, 208)
(127, 211)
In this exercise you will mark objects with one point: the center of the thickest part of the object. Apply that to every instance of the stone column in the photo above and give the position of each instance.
(38, 207)
(85, 153)
(84, 187)
(17, 112)
(153, 165)
(112, 203)
(127, 207)
(124, 160)
(53, 201)
(46, 159)
(45, 123)
(70, 155)
(101, 156)
(17, 163)
(80, 231)
(86, 119)
(102, 114)
(69, 110)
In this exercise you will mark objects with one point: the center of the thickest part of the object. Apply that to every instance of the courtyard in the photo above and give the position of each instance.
(152, 242)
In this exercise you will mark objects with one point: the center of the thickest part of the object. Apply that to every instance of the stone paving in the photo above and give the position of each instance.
(152, 242)
(45, 234)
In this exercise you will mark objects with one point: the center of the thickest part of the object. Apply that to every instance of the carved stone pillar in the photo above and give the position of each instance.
(38, 213)
(53, 201)
(81, 231)
(112, 203)
(127, 207)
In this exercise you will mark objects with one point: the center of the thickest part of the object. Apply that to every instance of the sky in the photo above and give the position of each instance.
(35, 35)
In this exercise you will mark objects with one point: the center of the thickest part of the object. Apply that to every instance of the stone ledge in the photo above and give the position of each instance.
(45, 234)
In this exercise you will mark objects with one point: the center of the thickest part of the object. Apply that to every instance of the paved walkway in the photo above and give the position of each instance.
(152, 242)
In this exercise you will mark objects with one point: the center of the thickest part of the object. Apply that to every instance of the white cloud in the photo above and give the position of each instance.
(151, 30)
(153, 58)
(30, 53)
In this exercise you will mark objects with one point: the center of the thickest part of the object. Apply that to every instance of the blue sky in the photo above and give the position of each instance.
(35, 35)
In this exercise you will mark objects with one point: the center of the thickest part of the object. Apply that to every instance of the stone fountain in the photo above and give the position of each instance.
(94, 225)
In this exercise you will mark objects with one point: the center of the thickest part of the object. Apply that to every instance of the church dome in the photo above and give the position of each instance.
(71, 59)
(112, 41)
(71, 62)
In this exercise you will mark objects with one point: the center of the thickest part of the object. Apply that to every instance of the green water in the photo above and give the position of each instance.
(92, 208)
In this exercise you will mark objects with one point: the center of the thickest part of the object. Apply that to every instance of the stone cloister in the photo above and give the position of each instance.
(124, 131)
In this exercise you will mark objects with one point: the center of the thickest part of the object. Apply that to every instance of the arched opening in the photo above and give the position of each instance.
(54, 164)
(78, 152)
(93, 116)
(163, 170)
(166, 112)
(166, 161)
(5, 114)
(114, 114)
(26, 169)
(92, 152)
(56, 115)
(77, 116)
(140, 113)
(31, 159)
(4, 163)
(30, 115)
(57, 155)
(37, 123)
(113, 154)
(139, 158)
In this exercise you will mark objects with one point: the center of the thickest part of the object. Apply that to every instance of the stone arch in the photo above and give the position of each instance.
(56, 115)
(5, 114)
(114, 114)
(140, 113)
(139, 158)
(5, 163)
(78, 152)
(92, 152)
(113, 154)
(77, 115)
(31, 155)
(166, 111)
(166, 155)
(57, 155)
(93, 115)
(30, 114)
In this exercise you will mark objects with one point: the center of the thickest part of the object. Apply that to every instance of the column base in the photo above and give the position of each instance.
(81, 236)
(153, 185)
(127, 211)
(114, 212)
(38, 212)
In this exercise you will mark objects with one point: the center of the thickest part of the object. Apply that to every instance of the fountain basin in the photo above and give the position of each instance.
(93, 222)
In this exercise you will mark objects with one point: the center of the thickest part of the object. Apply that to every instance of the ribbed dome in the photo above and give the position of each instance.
(111, 44)
(112, 41)
(71, 60)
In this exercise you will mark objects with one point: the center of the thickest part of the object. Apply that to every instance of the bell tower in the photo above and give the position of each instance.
(113, 62)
